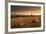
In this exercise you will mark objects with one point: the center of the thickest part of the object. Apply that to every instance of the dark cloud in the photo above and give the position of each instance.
(24, 8)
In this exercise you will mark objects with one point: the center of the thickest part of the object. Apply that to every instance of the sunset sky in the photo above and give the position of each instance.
(25, 10)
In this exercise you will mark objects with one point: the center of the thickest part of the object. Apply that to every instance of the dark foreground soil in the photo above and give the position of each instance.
(25, 21)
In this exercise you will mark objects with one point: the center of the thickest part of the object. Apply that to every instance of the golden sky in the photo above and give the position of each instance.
(27, 11)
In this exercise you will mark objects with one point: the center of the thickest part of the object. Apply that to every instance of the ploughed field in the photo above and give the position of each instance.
(25, 21)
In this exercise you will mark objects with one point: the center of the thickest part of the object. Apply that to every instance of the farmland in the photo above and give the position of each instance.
(26, 21)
